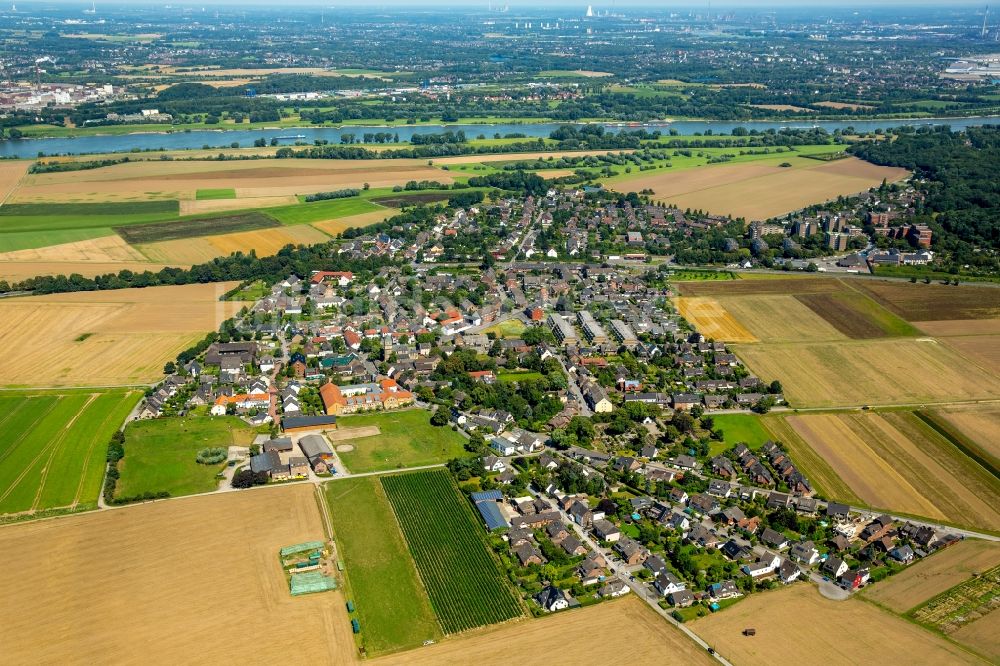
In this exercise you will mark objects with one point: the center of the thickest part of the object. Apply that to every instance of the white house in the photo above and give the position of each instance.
(667, 583)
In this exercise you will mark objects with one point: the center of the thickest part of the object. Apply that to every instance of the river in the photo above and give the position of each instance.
(180, 140)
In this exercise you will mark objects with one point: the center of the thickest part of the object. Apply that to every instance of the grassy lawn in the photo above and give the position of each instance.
(407, 439)
(160, 453)
(511, 328)
(518, 375)
(380, 576)
(736, 428)
(216, 193)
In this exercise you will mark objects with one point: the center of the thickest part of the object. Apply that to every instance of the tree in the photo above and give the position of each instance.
(246, 478)
(439, 417)
(169, 368)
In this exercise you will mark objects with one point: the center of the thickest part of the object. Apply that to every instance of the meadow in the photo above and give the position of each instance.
(738, 428)
(190, 578)
(380, 576)
(160, 454)
(461, 575)
(824, 631)
(892, 460)
(53, 446)
(406, 439)
(105, 337)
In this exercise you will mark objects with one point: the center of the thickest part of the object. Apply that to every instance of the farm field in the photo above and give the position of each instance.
(778, 318)
(160, 454)
(406, 439)
(183, 228)
(463, 579)
(824, 478)
(977, 429)
(893, 460)
(981, 635)
(183, 179)
(712, 320)
(973, 601)
(581, 636)
(934, 302)
(760, 191)
(928, 578)
(759, 284)
(392, 605)
(870, 372)
(983, 350)
(265, 242)
(825, 631)
(856, 316)
(180, 581)
(960, 327)
(105, 337)
(205, 206)
(53, 447)
(338, 225)
(11, 173)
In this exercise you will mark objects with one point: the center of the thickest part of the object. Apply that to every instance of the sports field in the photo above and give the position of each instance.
(381, 578)
(406, 439)
(160, 454)
(803, 626)
(893, 460)
(460, 573)
(569, 638)
(935, 575)
(105, 337)
(760, 191)
(182, 581)
(53, 446)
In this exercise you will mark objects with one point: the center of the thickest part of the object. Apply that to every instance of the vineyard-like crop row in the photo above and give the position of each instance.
(463, 580)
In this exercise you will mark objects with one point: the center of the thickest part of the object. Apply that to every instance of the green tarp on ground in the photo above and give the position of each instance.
(309, 582)
(301, 547)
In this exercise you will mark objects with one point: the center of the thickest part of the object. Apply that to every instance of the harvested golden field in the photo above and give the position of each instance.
(106, 249)
(334, 227)
(934, 575)
(955, 327)
(823, 477)
(980, 425)
(870, 372)
(179, 581)
(202, 206)
(802, 626)
(935, 302)
(11, 173)
(842, 105)
(517, 157)
(712, 320)
(250, 178)
(894, 461)
(205, 248)
(981, 635)
(779, 318)
(583, 636)
(983, 350)
(107, 337)
(758, 191)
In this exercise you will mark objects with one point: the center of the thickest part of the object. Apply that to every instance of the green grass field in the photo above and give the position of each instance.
(318, 211)
(42, 219)
(736, 428)
(407, 439)
(466, 586)
(518, 376)
(511, 328)
(53, 447)
(160, 454)
(380, 577)
(216, 193)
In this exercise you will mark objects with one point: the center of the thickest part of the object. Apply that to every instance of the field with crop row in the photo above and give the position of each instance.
(962, 604)
(466, 587)
(52, 447)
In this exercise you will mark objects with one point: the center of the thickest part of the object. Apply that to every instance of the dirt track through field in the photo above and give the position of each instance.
(585, 636)
(181, 581)
(352, 433)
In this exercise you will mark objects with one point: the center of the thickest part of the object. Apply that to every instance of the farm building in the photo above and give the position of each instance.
(488, 504)
(299, 423)
(317, 451)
